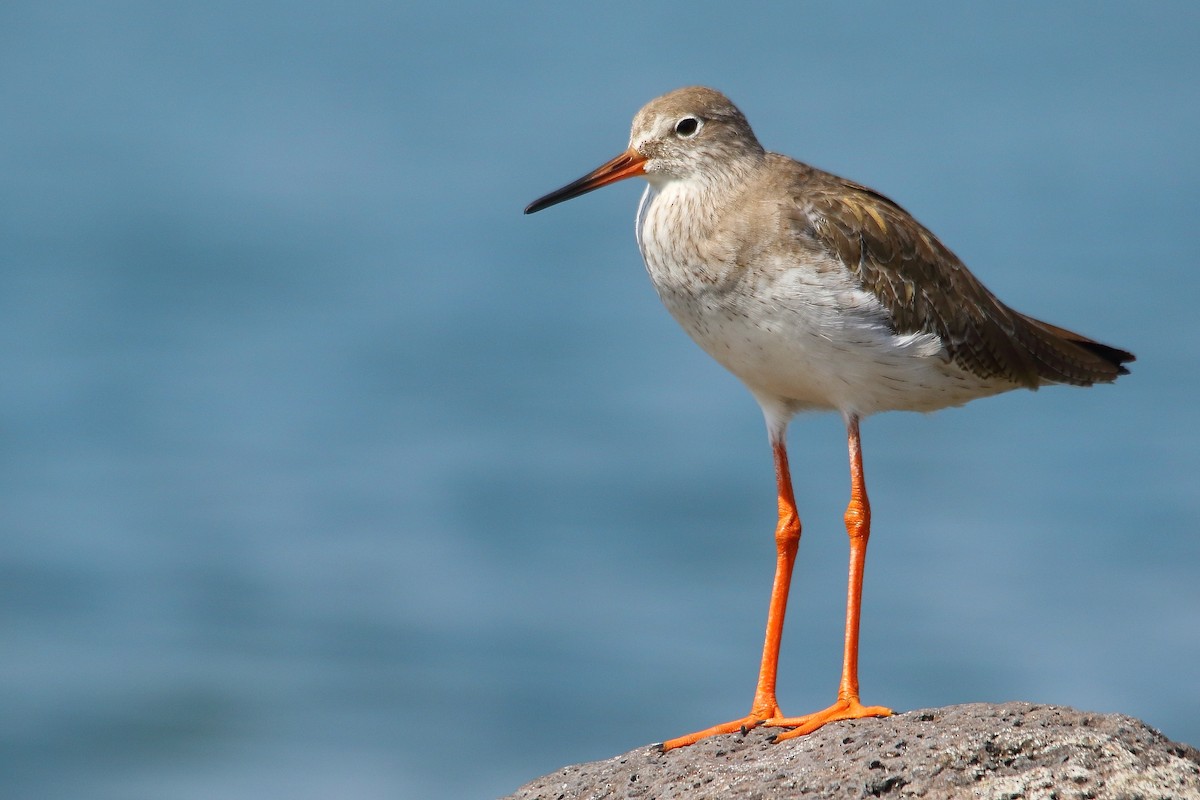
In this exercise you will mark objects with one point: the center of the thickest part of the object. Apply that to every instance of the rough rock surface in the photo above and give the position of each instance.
(991, 752)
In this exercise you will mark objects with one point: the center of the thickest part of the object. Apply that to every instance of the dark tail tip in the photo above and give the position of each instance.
(1113, 355)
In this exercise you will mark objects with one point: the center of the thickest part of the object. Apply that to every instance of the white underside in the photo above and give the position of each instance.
(800, 336)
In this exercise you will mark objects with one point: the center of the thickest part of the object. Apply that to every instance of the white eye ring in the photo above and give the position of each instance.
(687, 127)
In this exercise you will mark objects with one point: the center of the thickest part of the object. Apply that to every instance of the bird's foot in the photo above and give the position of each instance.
(842, 709)
(764, 716)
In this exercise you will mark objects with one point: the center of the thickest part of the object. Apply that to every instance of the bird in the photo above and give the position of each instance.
(819, 294)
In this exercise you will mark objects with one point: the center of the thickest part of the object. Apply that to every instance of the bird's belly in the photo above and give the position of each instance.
(819, 345)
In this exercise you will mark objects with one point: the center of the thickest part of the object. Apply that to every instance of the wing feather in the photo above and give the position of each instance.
(927, 289)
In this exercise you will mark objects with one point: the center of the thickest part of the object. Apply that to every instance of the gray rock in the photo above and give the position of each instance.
(989, 752)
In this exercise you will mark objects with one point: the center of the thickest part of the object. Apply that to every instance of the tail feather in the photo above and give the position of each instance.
(1064, 356)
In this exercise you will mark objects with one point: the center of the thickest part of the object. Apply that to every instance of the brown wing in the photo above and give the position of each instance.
(926, 288)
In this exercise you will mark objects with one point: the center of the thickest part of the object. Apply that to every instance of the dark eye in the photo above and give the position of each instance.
(687, 127)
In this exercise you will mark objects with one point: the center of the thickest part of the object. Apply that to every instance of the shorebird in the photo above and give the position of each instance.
(819, 294)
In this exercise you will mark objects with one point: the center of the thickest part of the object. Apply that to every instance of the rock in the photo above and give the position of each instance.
(990, 752)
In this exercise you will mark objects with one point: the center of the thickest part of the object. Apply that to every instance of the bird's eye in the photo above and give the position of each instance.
(687, 127)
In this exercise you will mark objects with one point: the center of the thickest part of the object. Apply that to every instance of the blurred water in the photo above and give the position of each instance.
(325, 473)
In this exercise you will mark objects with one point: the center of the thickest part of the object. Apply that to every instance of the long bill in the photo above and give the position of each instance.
(627, 165)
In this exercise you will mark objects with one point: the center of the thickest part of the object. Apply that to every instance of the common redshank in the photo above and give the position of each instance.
(819, 294)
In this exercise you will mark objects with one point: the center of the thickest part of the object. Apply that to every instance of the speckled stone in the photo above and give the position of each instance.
(1011, 751)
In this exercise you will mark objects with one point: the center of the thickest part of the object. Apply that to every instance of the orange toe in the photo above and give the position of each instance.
(842, 709)
(748, 722)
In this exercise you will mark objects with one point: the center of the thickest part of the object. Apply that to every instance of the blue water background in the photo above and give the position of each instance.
(326, 473)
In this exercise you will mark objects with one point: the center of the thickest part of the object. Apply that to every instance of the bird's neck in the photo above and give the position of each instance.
(678, 226)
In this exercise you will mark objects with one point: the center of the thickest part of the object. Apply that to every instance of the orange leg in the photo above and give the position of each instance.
(787, 539)
(858, 526)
